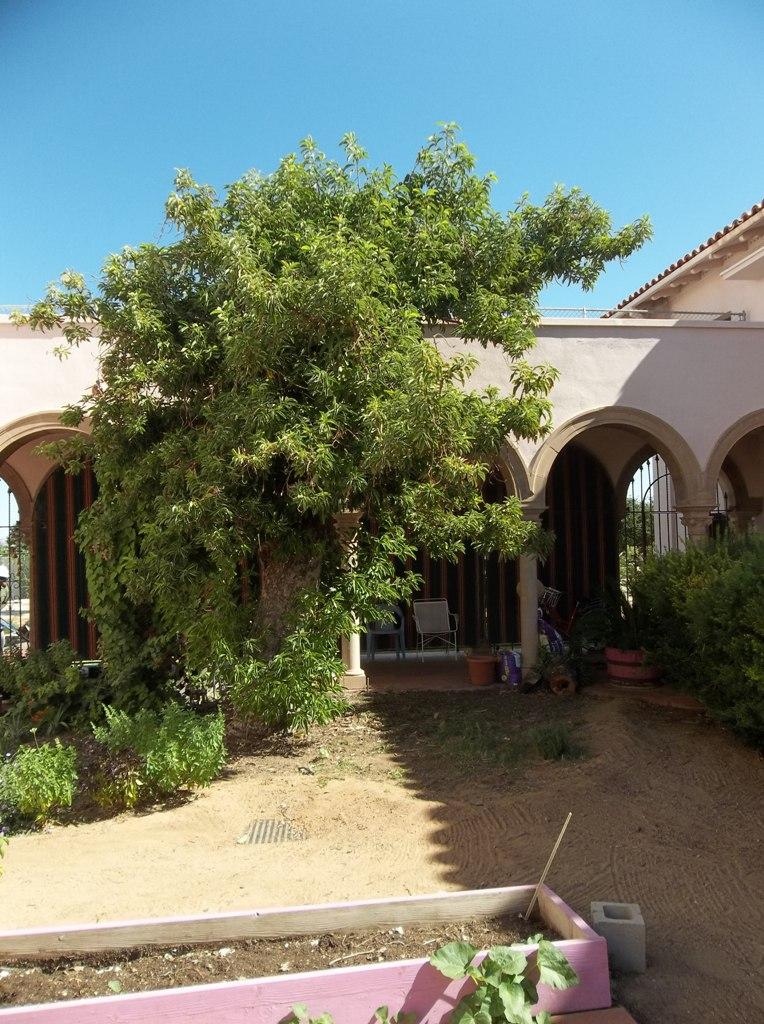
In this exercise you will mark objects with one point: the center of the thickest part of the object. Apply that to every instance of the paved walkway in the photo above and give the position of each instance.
(433, 672)
(448, 672)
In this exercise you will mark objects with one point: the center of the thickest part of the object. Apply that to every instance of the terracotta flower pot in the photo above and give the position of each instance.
(482, 669)
(628, 668)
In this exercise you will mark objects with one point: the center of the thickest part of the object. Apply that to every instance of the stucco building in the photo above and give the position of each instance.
(674, 374)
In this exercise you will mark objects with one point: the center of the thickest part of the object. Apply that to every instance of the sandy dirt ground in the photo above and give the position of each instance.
(667, 813)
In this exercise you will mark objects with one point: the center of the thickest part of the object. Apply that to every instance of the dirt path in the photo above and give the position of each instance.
(404, 798)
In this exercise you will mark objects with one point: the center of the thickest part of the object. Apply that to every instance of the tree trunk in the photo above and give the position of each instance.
(282, 580)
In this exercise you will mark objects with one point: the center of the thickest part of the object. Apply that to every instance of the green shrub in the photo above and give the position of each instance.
(46, 689)
(555, 743)
(155, 755)
(39, 780)
(703, 610)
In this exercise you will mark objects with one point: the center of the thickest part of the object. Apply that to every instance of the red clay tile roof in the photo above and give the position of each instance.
(756, 208)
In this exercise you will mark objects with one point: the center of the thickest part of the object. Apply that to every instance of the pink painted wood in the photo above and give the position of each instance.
(350, 994)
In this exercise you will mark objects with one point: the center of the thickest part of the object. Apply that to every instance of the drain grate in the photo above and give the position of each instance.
(269, 830)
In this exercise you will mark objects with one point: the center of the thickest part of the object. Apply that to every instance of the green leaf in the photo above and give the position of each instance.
(465, 1014)
(507, 959)
(554, 968)
(513, 997)
(115, 986)
(453, 959)
(382, 1014)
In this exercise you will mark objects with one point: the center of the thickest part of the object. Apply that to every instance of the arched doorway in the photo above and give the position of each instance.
(603, 475)
(738, 456)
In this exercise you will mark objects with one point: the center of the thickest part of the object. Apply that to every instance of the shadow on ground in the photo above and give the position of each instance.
(667, 811)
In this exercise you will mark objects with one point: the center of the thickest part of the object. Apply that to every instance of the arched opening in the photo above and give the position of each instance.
(619, 436)
(613, 481)
(39, 510)
(738, 457)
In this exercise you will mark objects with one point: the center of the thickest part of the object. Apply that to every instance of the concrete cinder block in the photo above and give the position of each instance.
(623, 926)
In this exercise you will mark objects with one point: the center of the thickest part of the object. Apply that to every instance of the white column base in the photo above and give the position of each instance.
(354, 677)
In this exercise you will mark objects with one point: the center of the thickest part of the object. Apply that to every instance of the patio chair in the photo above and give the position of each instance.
(391, 624)
(549, 598)
(435, 623)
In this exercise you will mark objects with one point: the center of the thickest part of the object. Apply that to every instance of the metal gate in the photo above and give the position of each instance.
(652, 524)
(14, 577)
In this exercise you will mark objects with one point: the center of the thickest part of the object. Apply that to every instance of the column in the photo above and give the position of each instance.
(354, 677)
(744, 516)
(529, 599)
(697, 520)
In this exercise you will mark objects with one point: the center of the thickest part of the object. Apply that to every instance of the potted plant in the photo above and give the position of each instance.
(624, 652)
(481, 666)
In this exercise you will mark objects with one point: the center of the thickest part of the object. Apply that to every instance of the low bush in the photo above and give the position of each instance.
(46, 689)
(39, 780)
(554, 742)
(153, 755)
(703, 621)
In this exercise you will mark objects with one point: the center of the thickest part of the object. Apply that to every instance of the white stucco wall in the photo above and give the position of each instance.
(33, 379)
(712, 293)
(697, 379)
(698, 376)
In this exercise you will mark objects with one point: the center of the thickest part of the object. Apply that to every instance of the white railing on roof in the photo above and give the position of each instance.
(677, 314)
(594, 312)
(560, 312)
(574, 312)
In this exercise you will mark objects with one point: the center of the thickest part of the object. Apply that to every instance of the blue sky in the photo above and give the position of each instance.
(651, 107)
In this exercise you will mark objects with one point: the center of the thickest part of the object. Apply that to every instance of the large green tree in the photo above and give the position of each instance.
(268, 369)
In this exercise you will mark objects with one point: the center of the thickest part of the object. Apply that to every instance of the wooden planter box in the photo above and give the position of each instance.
(350, 994)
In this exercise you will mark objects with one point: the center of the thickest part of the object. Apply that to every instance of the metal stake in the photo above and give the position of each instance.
(545, 872)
